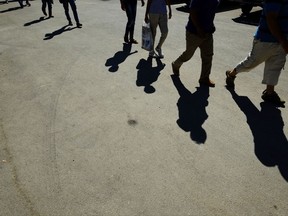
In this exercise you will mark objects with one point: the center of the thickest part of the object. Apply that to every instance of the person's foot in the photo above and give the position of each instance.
(28, 4)
(126, 40)
(151, 53)
(51, 16)
(175, 70)
(230, 80)
(272, 98)
(159, 52)
(133, 41)
(44, 12)
(70, 23)
(206, 81)
(79, 25)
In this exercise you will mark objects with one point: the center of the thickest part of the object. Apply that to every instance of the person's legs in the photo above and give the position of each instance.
(66, 9)
(206, 51)
(192, 43)
(257, 56)
(49, 2)
(163, 25)
(272, 71)
(21, 3)
(44, 7)
(133, 13)
(128, 10)
(27, 3)
(74, 9)
(154, 20)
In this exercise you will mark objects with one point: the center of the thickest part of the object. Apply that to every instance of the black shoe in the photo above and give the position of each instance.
(272, 98)
(51, 16)
(230, 80)
(79, 25)
(70, 23)
(44, 12)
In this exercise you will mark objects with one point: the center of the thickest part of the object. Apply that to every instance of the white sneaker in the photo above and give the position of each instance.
(159, 51)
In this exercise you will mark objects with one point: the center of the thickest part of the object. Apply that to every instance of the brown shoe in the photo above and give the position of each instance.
(133, 41)
(206, 81)
(176, 71)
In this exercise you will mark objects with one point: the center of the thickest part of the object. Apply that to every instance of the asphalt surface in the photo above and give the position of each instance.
(90, 126)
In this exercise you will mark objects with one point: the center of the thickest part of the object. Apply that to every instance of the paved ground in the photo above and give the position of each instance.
(89, 126)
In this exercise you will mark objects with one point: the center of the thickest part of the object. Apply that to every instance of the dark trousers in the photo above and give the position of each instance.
(44, 4)
(131, 9)
(21, 3)
(74, 9)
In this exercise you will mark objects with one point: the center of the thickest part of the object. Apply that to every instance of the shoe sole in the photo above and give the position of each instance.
(175, 71)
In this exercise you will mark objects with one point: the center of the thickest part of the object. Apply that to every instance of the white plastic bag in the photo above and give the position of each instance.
(147, 40)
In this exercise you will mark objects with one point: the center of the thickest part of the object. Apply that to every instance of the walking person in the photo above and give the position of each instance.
(74, 9)
(156, 14)
(130, 7)
(48, 3)
(270, 45)
(21, 3)
(199, 34)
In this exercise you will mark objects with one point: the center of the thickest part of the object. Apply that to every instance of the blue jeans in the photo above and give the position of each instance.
(131, 9)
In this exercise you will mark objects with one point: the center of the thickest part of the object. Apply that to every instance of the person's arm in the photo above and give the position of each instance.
(274, 27)
(168, 3)
(147, 11)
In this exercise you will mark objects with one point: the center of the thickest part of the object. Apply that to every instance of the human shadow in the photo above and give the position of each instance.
(266, 125)
(11, 9)
(51, 35)
(119, 57)
(41, 19)
(252, 18)
(147, 74)
(192, 110)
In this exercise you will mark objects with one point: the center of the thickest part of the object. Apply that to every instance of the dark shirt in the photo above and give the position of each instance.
(206, 10)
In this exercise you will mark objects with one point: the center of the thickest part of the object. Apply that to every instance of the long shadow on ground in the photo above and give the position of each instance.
(252, 18)
(119, 57)
(271, 145)
(147, 74)
(41, 19)
(192, 110)
(51, 35)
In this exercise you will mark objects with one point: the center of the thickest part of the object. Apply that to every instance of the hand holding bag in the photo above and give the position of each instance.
(147, 40)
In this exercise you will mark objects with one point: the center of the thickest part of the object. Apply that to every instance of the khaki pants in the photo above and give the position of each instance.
(162, 21)
(272, 54)
(206, 50)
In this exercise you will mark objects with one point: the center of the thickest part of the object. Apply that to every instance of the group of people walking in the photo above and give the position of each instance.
(65, 3)
(21, 3)
(270, 44)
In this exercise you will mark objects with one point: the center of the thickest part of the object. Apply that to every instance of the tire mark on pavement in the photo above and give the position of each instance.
(21, 191)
